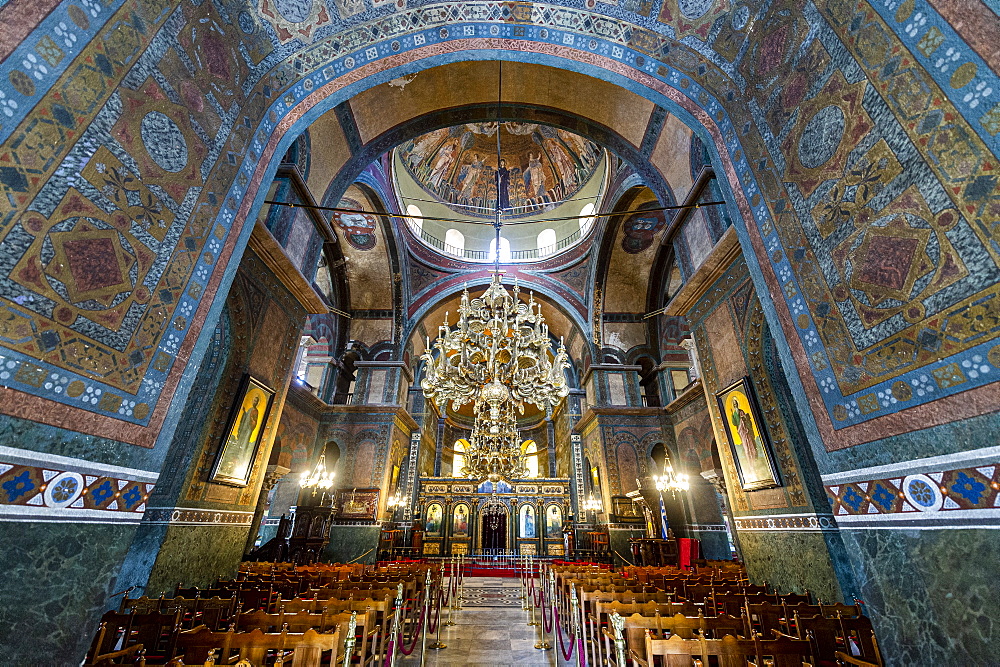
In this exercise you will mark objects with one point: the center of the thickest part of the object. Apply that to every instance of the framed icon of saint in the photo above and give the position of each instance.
(244, 433)
(747, 435)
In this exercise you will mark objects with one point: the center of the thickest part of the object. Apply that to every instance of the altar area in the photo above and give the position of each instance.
(525, 516)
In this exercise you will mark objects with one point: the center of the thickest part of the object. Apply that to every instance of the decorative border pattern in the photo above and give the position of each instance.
(786, 523)
(49, 493)
(959, 497)
(191, 516)
(706, 527)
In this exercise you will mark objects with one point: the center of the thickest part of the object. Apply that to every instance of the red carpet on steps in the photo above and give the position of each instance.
(472, 571)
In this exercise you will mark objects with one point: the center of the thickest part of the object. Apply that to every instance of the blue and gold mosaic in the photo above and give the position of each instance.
(885, 331)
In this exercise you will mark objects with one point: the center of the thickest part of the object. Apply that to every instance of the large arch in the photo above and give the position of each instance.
(57, 137)
(290, 114)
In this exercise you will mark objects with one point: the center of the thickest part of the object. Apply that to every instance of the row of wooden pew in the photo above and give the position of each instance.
(670, 617)
(249, 618)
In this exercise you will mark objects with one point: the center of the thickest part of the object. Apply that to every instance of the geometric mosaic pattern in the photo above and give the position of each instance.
(902, 327)
(918, 495)
(50, 489)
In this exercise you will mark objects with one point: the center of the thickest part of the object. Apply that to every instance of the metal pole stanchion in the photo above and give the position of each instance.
(524, 584)
(461, 580)
(426, 622)
(524, 594)
(394, 633)
(531, 597)
(543, 645)
(352, 625)
(453, 594)
(575, 615)
(618, 623)
(438, 644)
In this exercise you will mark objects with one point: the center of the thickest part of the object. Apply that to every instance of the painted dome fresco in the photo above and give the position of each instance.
(539, 167)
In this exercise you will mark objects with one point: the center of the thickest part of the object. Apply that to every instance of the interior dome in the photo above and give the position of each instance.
(540, 165)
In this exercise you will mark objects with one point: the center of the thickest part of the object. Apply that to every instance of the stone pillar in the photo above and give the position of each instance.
(577, 487)
(550, 433)
(379, 382)
(613, 385)
(439, 447)
(689, 345)
(410, 490)
(271, 476)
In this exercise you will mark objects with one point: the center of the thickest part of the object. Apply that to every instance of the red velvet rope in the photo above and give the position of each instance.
(432, 627)
(445, 593)
(416, 636)
(562, 647)
(547, 622)
(388, 653)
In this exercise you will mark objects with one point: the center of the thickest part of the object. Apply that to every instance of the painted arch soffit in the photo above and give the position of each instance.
(130, 358)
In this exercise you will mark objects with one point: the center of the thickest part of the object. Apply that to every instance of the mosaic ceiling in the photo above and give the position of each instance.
(539, 166)
(859, 142)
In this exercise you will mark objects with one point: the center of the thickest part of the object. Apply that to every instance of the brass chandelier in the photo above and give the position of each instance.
(499, 351)
(494, 450)
(497, 357)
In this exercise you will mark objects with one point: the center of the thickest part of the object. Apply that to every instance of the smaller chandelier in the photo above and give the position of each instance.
(494, 450)
(669, 481)
(492, 509)
(493, 504)
(396, 501)
(319, 478)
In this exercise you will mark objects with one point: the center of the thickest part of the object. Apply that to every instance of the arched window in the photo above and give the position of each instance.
(301, 362)
(458, 461)
(659, 456)
(586, 217)
(332, 453)
(504, 250)
(546, 242)
(530, 450)
(416, 223)
(454, 242)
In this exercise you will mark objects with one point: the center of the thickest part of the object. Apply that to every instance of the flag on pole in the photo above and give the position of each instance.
(664, 524)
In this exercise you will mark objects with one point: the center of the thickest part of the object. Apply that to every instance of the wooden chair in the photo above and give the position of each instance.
(201, 644)
(140, 605)
(366, 634)
(858, 633)
(299, 622)
(824, 636)
(765, 619)
(673, 652)
(839, 610)
(827, 636)
(603, 610)
(790, 599)
(154, 633)
(214, 612)
(685, 627)
(368, 647)
(781, 652)
(100, 656)
(844, 659)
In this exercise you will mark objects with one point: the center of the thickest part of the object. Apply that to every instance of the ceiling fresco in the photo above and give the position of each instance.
(539, 166)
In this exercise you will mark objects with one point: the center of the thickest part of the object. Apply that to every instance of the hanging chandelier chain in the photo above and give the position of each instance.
(497, 356)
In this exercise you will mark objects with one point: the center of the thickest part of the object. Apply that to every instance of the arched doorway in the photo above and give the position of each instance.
(493, 531)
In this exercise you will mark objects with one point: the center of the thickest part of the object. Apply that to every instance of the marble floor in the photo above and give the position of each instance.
(489, 636)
